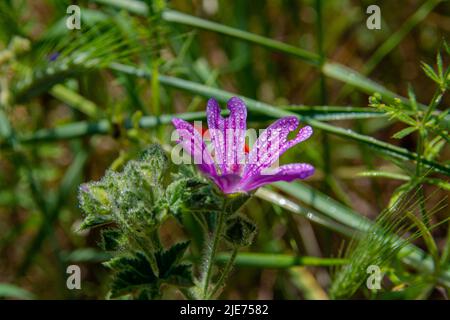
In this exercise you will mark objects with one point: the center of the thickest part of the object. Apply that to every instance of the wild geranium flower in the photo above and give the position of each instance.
(229, 166)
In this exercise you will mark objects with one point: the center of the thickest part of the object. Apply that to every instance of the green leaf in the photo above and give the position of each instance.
(136, 201)
(445, 185)
(94, 198)
(384, 174)
(133, 198)
(180, 275)
(440, 66)
(168, 259)
(154, 164)
(434, 147)
(110, 239)
(412, 98)
(430, 72)
(446, 47)
(92, 221)
(133, 274)
(403, 133)
(75, 100)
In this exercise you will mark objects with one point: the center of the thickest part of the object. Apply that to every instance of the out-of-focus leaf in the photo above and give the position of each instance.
(403, 133)
(12, 291)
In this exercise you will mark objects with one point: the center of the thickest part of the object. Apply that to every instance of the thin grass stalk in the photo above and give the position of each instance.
(278, 261)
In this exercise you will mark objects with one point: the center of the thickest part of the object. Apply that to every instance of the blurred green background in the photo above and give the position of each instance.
(93, 85)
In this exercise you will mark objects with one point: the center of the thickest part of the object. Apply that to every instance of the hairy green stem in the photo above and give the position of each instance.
(422, 136)
(211, 253)
(225, 272)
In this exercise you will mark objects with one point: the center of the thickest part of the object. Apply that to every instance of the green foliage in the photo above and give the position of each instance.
(134, 203)
(376, 247)
(36, 69)
(132, 199)
(133, 274)
(379, 245)
(192, 193)
(431, 128)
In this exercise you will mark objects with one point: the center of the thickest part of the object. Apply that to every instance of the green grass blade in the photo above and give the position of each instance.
(331, 69)
(328, 113)
(75, 100)
(267, 110)
(349, 76)
(133, 6)
(310, 214)
(185, 19)
(384, 174)
(276, 261)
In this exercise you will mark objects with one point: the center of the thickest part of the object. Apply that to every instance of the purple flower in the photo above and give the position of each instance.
(230, 167)
(53, 56)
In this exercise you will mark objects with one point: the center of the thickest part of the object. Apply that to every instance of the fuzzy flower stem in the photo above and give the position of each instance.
(225, 273)
(211, 253)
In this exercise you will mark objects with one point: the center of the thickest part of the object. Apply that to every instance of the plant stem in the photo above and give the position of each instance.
(422, 136)
(418, 173)
(185, 19)
(226, 271)
(211, 254)
(269, 110)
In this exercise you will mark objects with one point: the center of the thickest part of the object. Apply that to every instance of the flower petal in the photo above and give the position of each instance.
(286, 172)
(235, 129)
(192, 142)
(216, 127)
(272, 143)
(228, 135)
(228, 183)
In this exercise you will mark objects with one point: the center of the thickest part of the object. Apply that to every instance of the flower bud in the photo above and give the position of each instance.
(240, 230)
